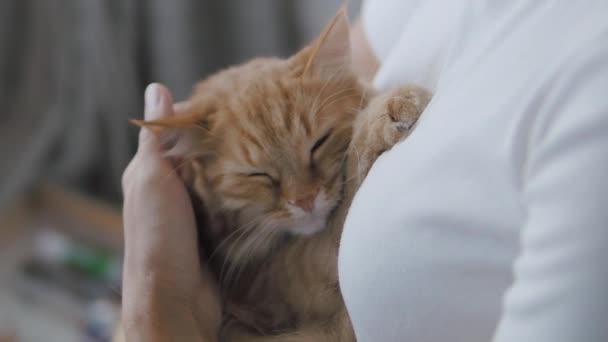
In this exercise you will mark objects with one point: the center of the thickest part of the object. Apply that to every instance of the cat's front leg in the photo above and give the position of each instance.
(336, 328)
(388, 119)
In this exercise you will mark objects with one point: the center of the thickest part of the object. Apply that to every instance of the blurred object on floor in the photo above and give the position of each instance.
(59, 268)
(73, 73)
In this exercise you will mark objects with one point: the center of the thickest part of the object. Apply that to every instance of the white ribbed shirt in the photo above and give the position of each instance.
(490, 222)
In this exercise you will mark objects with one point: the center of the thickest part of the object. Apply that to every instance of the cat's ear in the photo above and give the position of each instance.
(182, 136)
(330, 54)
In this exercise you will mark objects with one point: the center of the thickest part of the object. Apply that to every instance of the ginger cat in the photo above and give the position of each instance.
(274, 151)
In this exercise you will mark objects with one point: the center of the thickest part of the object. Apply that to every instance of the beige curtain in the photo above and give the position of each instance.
(72, 72)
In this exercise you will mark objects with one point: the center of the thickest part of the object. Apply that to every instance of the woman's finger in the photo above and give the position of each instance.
(158, 104)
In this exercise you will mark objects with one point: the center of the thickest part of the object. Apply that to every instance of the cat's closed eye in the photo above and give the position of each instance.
(263, 175)
(319, 143)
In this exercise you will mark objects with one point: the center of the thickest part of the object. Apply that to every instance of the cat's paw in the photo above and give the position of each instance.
(398, 111)
(388, 118)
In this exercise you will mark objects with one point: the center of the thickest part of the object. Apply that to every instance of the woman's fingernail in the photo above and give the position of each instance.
(152, 95)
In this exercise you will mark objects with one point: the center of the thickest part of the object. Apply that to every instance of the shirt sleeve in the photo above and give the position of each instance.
(560, 291)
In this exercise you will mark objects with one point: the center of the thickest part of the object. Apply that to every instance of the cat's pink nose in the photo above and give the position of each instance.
(307, 202)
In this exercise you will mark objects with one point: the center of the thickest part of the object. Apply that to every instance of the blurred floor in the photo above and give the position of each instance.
(55, 276)
(23, 314)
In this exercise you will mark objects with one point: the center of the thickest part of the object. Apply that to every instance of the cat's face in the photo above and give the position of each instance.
(279, 145)
(267, 140)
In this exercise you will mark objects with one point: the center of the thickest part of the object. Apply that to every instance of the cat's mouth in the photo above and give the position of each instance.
(313, 221)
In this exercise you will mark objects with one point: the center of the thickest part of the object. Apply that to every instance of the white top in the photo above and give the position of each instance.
(490, 222)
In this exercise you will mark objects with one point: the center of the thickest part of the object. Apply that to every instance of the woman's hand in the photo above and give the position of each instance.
(166, 294)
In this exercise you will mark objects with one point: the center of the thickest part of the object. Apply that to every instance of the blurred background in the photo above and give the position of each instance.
(72, 73)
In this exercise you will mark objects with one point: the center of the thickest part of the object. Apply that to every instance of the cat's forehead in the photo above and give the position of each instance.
(272, 134)
(279, 105)
(287, 111)
(268, 115)
(273, 137)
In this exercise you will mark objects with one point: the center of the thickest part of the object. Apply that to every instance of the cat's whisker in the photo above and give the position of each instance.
(234, 234)
(325, 84)
(354, 151)
(339, 99)
(337, 93)
(225, 271)
(242, 233)
(353, 109)
(254, 243)
(341, 157)
(313, 108)
(363, 98)
(314, 103)
(237, 258)
(315, 111)
(258, 237)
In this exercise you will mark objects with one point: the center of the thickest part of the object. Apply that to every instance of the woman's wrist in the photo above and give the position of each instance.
(157, 318)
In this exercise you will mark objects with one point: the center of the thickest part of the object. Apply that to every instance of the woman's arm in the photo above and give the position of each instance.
(166, 294)
(560, 291)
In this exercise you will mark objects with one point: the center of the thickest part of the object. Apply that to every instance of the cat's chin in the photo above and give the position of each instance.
(309, 225)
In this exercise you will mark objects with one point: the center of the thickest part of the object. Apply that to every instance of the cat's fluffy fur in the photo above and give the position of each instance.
(275, 149)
